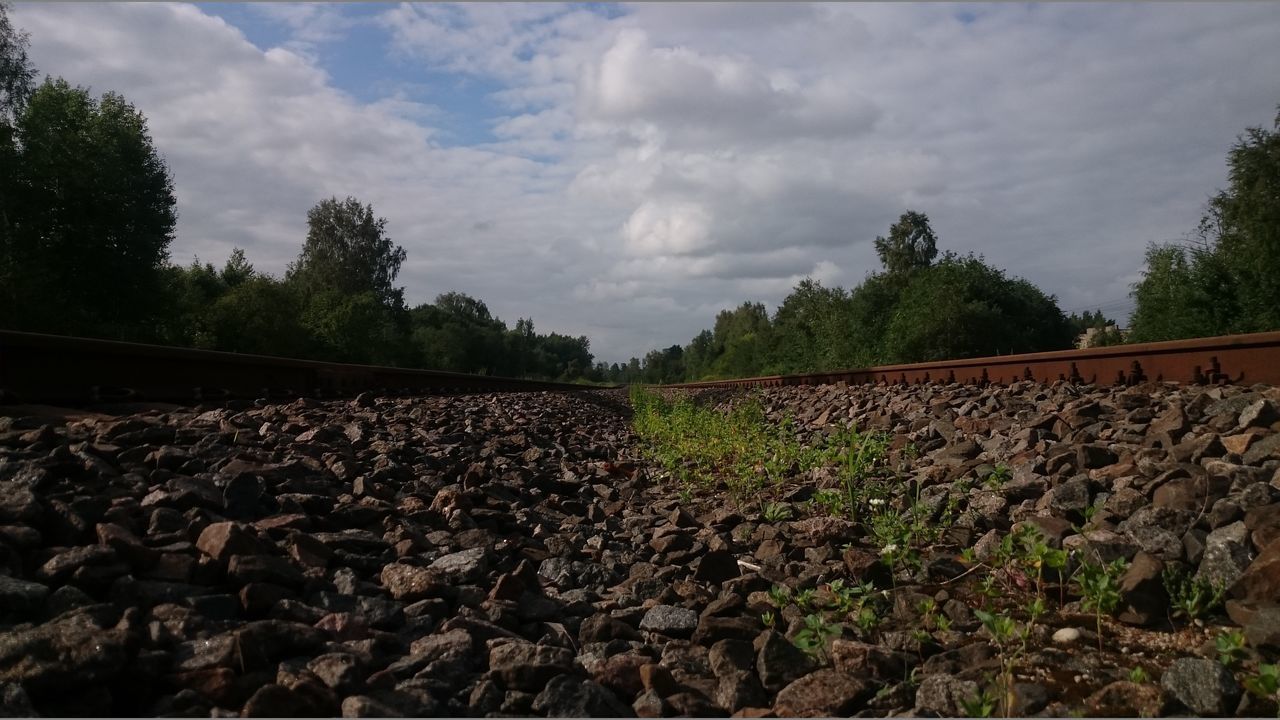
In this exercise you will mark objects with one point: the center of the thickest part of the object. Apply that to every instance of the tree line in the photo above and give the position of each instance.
(87, 216)
(919, 307)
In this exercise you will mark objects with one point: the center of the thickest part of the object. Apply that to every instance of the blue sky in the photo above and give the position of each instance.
(626, 171)
(361, 64)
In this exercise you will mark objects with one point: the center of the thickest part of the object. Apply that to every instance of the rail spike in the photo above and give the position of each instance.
(1075, 377)
(1136, 375)
(1215, 376)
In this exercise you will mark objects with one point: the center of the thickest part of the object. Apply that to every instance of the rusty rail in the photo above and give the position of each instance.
(36, 368)
(1239, 359)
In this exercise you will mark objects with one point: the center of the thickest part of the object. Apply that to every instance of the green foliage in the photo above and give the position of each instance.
(911, 244)
(344, 277)
(815, 634)
(1138, 675)
(776, 512)
(1244, 220)
(259, 315)
(87, 217)
(1191, 597)
(808, 332)
(740, 449)
(17, 76)
(347, 253)
(741, 339)
(1184, 292)
(1228, 279)
(1100, 589)
(998, 476)
(1265, 683)
(962, 307)
(982, 705)
(1011, 639)
(1230, 647)
(664, 366)
(914, 310)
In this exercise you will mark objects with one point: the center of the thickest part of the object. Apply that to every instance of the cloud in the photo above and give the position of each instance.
(650, 164)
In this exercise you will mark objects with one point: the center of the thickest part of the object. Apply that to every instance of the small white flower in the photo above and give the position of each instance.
(890, 548)
(876, 501)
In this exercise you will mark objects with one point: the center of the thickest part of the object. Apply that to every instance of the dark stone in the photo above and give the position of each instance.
(222, 540)
(1144, 599)
(244, 569)
(21, 596)
(779, 662)
(73, 651)
(566, 696)
(717, 567)
(1202, 686)
(603, 628)
(523, 666)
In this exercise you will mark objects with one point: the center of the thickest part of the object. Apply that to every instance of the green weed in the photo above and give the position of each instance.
(1189, 596)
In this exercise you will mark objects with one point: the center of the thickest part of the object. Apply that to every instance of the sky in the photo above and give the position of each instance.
(625, 172)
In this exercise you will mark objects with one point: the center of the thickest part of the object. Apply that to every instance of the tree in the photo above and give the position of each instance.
(1229, 281)
(347, 252)
(237, 270)
(870, 310)
(17, 76)
(741, 341)
(664, 366)
(1242, 226)
(90, 214)
(698, 356)
(911, 244)
(807, 332)
(1184, 293)
(189, 293)
(345, 279)
(962, 307)
(259, 315)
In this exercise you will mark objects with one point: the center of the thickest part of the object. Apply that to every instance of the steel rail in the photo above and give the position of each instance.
(1240, 359)
(53, 369)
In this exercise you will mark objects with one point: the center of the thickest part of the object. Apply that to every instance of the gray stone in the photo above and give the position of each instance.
(18, 503)
(1259, 413)
(1263, 450)
(670, 620)
(464, 566)
(1226, 555)
(1203, 686)
(528, 667)
(944, 695)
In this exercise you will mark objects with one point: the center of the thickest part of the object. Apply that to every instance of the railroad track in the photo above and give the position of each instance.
(1238, 359)
(51, 369)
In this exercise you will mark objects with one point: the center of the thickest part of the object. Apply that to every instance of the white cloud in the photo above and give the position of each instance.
(652, 168)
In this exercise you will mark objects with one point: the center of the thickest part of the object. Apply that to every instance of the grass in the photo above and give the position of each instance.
(751, 457)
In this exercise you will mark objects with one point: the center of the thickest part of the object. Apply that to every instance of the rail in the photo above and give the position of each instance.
(37, 368)
(1239, 359)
